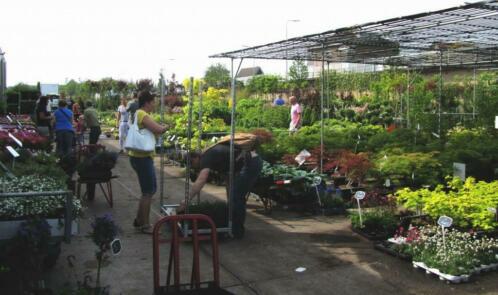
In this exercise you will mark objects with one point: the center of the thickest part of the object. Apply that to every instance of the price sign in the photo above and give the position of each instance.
(445, 221)
(359, 195)
(17, 141)
(317, 180)
(12, 151)
(116, 247)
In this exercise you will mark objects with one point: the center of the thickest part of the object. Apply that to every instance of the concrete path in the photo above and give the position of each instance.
(337, 261)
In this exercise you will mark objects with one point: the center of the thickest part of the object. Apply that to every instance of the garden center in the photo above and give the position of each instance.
(378, 180)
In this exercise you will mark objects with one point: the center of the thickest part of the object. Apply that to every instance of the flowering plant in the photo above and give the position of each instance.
(46, 206)
(458, 254)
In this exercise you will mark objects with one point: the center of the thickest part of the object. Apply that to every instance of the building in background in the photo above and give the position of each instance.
(3, 75)
(315, 68)
(246, 74)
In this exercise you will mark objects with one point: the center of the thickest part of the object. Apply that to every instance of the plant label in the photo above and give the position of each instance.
(459, 170)
(388, 183)
(445, 221)
(496, 122)
(12, 151)
(492, 210)
(317, 180)
(9, 118)
(359, 195)
(116, 247)
(302, 156)
(301, 269)
(17, 141)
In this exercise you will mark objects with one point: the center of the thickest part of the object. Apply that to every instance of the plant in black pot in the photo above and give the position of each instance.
(26, 254)
(216, 210)
(104, 231)
(375, 224)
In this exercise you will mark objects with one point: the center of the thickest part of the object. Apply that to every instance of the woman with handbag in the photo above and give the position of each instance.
(64, 132)
(140, 145)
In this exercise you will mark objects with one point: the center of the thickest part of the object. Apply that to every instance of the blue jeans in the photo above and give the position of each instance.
(243, 183)
(64, 140)
(144, 167)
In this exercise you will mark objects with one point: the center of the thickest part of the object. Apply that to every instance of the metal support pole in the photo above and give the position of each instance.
(328, 90)
(161, 141)
(440, 96)
(68, 217)
(407, 98)
(188, 145)
(321, 109)
(231, 177)
(474, 94)
(199, 139)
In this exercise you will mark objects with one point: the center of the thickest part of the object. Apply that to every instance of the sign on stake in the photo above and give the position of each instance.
(359, 195)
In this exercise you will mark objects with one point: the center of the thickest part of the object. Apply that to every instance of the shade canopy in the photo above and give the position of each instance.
(459, 36)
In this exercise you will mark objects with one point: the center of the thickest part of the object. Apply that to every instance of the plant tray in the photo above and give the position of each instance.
(384, 247)
(8, 229)
(370, 236)
(442, 276)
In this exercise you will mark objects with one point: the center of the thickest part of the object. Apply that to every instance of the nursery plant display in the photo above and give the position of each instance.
(456, 254)
(468, 203)
(44, 207)
(376, 224)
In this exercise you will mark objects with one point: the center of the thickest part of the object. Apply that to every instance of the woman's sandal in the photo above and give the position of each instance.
(146, 229)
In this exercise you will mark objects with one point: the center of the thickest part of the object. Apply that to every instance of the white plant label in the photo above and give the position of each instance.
(116, 247)
(9, 118)
(496, 122)
(302, 156)
(12, 151)
(359, 195)
(492, 210)
(17, 141)
(301, 269)
(388, 183)
(445, 221)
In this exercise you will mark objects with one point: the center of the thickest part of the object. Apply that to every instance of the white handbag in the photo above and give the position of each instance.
(141, 140)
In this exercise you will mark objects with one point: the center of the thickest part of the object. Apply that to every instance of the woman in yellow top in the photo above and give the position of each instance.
(143, 162)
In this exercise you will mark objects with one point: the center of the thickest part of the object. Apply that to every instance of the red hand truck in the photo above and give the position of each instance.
(195, 286)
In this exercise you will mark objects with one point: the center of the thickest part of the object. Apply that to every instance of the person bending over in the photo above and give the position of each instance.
(248, 165)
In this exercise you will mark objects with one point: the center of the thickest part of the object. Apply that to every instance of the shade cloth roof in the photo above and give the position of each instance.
(466, 35)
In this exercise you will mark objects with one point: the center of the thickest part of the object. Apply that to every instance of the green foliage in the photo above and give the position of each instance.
(412, 169)
(298, 75)
(477, 148)
(377, 220)
(466, 202)
(217, 76)
(264, 84)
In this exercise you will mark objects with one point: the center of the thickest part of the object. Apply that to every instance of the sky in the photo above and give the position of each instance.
(52, 41)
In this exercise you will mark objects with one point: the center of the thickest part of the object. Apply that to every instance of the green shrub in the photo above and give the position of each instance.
(466, 202)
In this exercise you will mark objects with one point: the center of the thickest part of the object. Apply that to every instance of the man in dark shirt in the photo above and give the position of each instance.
(248, 166)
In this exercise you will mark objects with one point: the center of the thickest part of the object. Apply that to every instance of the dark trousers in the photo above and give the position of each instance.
(94, 134)
(243, 183)
(64, 140)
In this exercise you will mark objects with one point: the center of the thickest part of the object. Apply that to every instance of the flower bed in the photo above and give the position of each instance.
(45, 207)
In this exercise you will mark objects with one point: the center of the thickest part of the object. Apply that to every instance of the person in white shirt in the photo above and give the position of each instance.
(295, 114)
(123, 117)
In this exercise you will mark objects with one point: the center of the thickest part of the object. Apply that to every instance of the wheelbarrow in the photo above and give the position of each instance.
(195, 286)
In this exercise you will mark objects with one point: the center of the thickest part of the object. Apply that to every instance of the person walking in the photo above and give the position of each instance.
(64, 132)
(92, 122)
(43, 117)
(248, 166)
(143, 163)
(295, 114)
(123, 117)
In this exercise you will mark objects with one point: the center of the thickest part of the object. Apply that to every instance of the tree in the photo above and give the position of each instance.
(217, 76)
(298, 75)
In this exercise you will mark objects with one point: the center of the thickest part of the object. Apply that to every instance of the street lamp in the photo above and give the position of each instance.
(286, 37)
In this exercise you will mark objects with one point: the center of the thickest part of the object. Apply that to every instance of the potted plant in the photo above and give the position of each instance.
(104, 231)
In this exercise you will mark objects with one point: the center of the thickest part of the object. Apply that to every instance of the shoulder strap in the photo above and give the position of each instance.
(65, 115)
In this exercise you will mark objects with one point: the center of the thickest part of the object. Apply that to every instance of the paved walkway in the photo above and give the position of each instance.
(337, 261)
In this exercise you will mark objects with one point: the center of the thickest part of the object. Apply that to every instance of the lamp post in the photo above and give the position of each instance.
(286, 37)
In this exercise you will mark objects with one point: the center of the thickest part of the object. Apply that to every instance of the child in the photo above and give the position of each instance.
(80, 130)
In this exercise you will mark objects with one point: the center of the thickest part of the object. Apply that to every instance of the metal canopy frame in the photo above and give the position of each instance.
(456, 37)
(459, 36)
